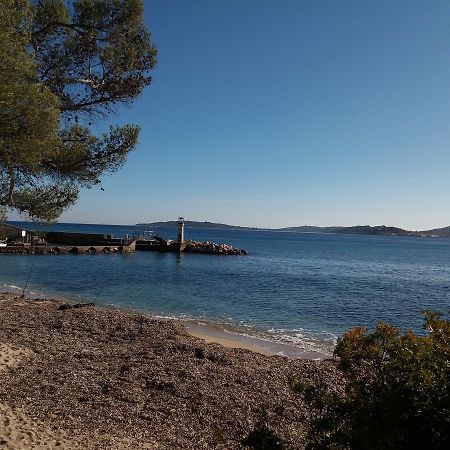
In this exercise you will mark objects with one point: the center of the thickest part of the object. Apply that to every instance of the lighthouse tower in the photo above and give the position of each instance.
(180, 230)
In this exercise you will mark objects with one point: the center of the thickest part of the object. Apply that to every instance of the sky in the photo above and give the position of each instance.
(285, 113)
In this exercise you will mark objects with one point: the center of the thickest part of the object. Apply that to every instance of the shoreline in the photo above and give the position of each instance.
(210, 332)
(90, 377)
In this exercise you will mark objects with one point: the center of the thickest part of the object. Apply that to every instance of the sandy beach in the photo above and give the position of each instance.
(107, 379)
(211, 334)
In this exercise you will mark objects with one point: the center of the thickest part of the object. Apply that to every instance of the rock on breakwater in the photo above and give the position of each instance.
(212, 248)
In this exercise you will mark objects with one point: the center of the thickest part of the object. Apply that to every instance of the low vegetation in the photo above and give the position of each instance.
(397, 395)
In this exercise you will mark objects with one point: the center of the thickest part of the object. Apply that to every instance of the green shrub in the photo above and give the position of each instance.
(398, 391)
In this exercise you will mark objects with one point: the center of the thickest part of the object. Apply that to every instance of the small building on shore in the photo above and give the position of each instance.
(11, 233)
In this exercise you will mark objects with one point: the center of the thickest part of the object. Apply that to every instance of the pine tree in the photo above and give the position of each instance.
(61, 68)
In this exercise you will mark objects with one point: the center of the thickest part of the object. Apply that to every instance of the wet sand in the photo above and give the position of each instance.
(228, 339)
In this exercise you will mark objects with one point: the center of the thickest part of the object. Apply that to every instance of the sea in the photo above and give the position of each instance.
(298, 288)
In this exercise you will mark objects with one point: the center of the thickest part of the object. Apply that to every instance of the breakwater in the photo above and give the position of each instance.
(162, 245)
(64, 249)
(16, 240)
(212, 248)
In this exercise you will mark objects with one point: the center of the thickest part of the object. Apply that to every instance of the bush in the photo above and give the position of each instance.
(398, 391)
(262, 438)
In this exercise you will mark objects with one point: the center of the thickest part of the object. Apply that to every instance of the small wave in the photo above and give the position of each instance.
(12, 286)
(320, 342)
(313, 340)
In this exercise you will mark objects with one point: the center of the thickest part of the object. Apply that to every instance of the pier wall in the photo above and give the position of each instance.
(64, 238)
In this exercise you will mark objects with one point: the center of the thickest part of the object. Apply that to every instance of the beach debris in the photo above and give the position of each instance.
(114, 375)
(66, 306)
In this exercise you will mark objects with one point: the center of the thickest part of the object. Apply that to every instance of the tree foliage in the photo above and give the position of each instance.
(398, 392)
(62, 67)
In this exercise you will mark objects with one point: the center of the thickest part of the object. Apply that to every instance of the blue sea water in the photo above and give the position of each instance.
(304, 288)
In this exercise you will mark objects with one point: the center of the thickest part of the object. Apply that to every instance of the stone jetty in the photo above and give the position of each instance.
(52, 249)
(188, 246)
(14, 240)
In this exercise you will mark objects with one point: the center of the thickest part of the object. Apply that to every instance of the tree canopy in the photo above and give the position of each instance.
(62, 67)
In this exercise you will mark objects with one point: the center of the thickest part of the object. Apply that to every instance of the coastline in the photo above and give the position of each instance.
(210, 332)
(120, 379)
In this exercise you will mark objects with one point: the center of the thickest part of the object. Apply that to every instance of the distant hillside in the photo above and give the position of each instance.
(194, 224)
(311, 229)
(440, 232)
(379, 230)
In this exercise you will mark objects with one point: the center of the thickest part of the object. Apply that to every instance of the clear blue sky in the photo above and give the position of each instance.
(282, 113)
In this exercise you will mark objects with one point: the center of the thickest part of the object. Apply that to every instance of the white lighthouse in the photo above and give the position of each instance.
(180, 230)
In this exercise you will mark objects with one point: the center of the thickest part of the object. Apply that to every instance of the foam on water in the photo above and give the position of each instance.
(11, 287)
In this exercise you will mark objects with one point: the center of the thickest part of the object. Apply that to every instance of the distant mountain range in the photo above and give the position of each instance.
(379, 230)
(194, 224)
(359, 229)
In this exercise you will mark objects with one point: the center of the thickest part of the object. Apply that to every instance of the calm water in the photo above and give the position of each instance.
(305, 288)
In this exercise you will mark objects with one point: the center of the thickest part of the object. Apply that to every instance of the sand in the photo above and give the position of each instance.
(104, 379)
(10, 356)
(17, 430)
(211, 334)
(20, 432)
